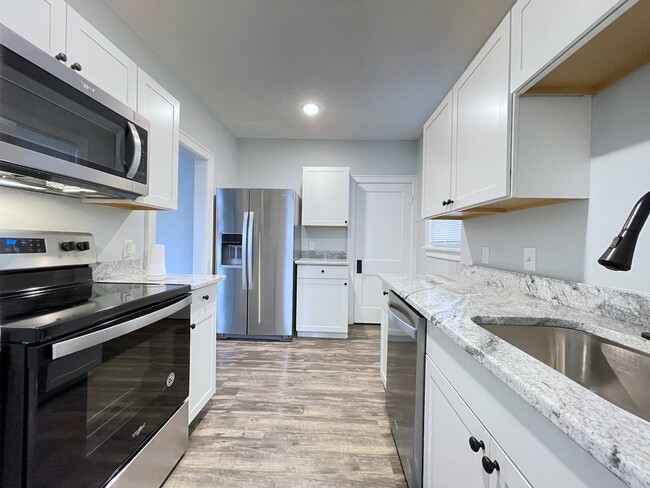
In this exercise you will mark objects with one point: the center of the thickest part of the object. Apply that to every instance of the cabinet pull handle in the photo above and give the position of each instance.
(489, 466)
(61, 57)
(476, 445)
(192, 326)
(75, 66)
(206, 297)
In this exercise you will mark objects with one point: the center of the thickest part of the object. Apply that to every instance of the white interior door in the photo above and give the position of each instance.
(383, 239)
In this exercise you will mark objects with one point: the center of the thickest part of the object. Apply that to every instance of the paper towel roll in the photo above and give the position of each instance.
(156, 267)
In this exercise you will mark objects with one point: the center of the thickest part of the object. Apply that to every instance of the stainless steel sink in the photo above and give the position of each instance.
(613, 371)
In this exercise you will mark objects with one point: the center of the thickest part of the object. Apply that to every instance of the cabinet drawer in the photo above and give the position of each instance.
(333, 272)
(203, 298)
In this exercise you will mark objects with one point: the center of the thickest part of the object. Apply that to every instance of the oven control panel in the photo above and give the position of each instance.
(17, 245)
(21, 249)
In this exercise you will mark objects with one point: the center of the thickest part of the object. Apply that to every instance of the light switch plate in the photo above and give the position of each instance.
(530, 258)
(486, 255)
(311, 245)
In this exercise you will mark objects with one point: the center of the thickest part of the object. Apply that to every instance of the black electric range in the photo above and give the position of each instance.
(93, 375)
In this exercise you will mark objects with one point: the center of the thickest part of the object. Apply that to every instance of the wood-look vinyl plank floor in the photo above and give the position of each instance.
(306, 414)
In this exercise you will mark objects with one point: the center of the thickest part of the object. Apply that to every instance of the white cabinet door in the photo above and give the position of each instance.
(163, 112)
(481, 128)
(325, 196)
(508, 475)
(383, 342)
(544, 29)
(101, 62)
(41, 22)
(448, 426)
(203, 337)
(437, 160)
(322, 306)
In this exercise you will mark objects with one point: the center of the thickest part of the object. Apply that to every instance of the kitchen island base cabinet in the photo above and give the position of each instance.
(464, 399)
(322, 303)
(203, 339)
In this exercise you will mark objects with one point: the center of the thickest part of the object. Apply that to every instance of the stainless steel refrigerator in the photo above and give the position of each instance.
(257, 243)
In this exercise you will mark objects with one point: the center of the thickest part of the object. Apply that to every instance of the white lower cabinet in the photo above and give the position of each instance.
(463, 401)
(322, 302)
(203, 338)
(458, 448)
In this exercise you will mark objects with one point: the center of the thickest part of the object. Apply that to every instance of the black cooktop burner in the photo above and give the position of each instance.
(49, 313)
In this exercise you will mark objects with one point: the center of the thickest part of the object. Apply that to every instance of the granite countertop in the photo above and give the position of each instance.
(613, 436)
(195, 281)
(323, 261)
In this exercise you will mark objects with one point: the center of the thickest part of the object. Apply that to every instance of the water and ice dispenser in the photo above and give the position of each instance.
(231, 249)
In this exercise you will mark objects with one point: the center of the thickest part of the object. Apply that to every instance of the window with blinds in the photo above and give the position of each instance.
(445, 234)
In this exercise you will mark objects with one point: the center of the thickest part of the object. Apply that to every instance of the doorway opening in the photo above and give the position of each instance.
(187, 232)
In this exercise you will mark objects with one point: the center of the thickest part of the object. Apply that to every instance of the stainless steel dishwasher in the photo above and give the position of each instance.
(407, 331)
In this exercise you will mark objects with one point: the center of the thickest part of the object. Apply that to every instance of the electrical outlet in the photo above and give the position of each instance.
(311, 245)
(530, 258)
(486, 255)
(128, 249)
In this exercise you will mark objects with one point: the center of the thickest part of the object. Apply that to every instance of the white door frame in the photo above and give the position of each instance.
(352, 226)
(204, 187)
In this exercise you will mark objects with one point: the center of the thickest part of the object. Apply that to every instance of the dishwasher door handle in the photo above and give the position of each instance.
(403, 325)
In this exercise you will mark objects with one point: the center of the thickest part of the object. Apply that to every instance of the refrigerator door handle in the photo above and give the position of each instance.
(244, 245)
(249, 259)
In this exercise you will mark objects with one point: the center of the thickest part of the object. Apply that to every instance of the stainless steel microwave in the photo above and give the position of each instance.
(61, 134)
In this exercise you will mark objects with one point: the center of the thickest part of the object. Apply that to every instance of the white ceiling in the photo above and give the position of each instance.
(377, 67)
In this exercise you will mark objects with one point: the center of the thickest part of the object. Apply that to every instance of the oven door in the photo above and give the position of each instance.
(94, 399)
(54, 123)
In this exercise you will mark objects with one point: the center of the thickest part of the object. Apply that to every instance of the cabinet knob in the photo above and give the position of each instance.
(206, 297)
(345, 284)
(385, 292)
(346, 221)
(476, 445)
(489, 466)
(450, 201)
(75, 66)
(322, 270)
(192, 326)
(61, 57)
(444, 203)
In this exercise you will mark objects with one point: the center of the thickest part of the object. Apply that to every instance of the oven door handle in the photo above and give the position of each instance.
(405, 327)
(80, 343)
(136, 157)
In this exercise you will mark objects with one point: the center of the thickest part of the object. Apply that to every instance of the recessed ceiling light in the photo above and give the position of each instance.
(311, 109)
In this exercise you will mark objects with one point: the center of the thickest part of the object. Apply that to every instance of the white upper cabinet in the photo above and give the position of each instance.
(437, 160)
(163, 112)
(41, 22)
(325, 196)
(543, 29)
(100, 61)
(481, 117)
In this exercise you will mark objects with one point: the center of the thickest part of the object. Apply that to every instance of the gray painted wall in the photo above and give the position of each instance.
(273, 163)
(23, 210)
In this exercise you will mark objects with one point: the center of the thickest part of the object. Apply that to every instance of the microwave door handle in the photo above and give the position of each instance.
(244, 245)
(71, 346)
(136, 157)
(251, 243)
(405, 327)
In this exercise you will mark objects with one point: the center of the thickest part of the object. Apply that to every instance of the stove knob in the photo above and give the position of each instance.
(68, 246)
(83, 246)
